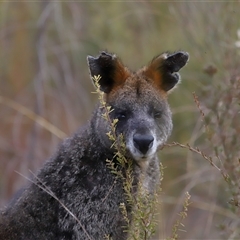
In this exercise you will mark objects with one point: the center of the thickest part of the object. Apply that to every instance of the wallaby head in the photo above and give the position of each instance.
(138, 99)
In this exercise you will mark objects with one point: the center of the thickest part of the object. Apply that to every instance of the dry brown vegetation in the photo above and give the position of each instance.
(45, 95)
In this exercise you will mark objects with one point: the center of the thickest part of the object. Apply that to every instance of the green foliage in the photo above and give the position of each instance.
(182, 216)
(142, 222)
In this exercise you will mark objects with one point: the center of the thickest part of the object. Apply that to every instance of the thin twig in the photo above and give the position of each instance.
(110, 190)
(33, 116)
(198, 151)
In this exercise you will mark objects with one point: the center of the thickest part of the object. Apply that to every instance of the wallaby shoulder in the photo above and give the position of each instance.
(72, 178)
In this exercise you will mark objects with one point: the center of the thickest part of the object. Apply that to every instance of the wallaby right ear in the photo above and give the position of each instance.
(163, 69)
(110, 69)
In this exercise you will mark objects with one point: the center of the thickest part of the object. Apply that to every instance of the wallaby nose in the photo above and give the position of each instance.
(143, 142)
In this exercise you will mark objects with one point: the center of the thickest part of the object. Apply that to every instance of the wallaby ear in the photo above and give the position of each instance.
(110, 68)
(163, 69)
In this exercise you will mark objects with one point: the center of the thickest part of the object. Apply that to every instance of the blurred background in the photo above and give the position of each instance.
(46, 94)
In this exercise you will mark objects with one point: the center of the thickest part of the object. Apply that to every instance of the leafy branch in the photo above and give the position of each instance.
(140, 224)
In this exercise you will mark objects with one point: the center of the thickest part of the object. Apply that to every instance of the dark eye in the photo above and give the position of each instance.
(121, 115)
(157, 114)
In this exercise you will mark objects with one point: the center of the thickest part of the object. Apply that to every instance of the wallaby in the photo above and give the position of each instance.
(75, 195)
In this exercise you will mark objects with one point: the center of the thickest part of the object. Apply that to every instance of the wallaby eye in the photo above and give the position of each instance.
(155, 111)
(157, 114)
(121, 115)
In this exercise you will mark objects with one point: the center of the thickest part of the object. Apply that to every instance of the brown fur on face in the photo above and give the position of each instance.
(137, 87)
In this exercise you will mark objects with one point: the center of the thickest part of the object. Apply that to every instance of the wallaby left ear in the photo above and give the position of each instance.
(163, 69)
(110, 69)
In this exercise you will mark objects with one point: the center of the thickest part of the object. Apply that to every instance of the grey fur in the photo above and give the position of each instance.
(77, 174)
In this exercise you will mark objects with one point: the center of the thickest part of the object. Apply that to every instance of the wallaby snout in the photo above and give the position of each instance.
(143, 142)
